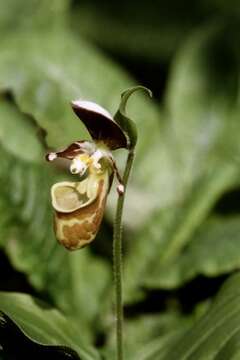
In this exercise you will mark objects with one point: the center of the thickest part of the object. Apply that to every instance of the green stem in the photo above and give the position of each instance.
(117, 258)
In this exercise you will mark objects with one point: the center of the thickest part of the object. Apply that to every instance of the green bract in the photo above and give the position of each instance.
(126, 124)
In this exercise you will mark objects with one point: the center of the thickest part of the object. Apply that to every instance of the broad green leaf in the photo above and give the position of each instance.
(204, 107)
(16, 345)
(157, 346)
(25, 145)
(169, 229)
(142, 335)
(203, 110)
(214, 250)
(30, 14)
(212, 336)
(56, 68)
(44, 324)
(75, 282)
(128, 125)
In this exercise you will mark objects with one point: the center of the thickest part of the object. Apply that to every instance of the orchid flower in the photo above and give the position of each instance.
(79, 206)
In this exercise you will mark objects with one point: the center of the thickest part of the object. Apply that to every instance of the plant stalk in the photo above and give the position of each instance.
(117, 259)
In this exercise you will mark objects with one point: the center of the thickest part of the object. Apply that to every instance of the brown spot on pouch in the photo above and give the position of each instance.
(82, 230)
(76, 232)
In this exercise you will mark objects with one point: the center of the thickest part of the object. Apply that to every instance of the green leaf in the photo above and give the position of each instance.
(25, 348)
(203, 134)
(57, 67)
(43, 324)
(50, 75)
(157, 346)
(74, 282)
(144, 334)
(168, 232)
(211, 337)
(214, 250)
(77, 282)
(32, 14)
(204, 106)
(25, 145)
(215, 335)
(126, 124)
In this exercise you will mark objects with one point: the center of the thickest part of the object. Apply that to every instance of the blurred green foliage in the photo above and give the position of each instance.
(187, 161)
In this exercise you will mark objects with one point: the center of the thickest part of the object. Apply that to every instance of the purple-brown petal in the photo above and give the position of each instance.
(100, 124)
(76, 148)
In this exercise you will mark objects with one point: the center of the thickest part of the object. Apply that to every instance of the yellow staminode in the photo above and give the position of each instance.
(80, 164)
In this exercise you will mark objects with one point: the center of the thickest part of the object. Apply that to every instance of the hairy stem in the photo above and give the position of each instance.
(117, 259)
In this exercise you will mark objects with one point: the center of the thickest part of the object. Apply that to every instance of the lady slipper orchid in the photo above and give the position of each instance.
(79, 206)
